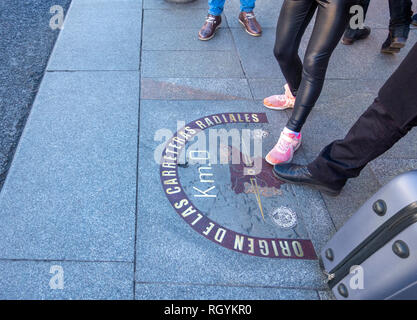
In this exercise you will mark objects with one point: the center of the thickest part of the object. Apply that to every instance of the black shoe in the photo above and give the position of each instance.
(352, 35)
(297, 174)
(393, 44)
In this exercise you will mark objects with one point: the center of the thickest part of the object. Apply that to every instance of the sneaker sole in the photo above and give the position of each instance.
(212, 36)
(277, 109)
(252, 34)
(394, 47)
(288, 161)
(390, 50)
(325, 190)
(397, 45)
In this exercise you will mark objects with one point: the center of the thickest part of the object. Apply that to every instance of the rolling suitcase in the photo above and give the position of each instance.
(374, 255)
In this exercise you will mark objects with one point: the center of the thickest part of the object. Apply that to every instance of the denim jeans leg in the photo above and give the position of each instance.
(247, 5)
(216, 7)
(400, 11)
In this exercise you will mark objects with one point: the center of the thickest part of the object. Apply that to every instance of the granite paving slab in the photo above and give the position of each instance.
(387, 169)
(63, 280)
(99, 35)
(180, 39)
(162, 4)
(360, 61)
(70, 193)
(198, 292)
(195, 89)
(180, 17)
(190, 64)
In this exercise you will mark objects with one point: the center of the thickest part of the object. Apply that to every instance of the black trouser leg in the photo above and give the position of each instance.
(400, 12)
(295, 15)
(331, 20)
(386, 121)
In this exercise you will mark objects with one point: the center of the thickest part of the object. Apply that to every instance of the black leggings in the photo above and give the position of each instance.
(306, 79)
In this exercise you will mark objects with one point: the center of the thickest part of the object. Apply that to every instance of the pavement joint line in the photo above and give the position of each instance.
(239, 57)
(69, 71)
(231, 285)
(137, 160)
(177, 77)
(62, 260)
(195, 50)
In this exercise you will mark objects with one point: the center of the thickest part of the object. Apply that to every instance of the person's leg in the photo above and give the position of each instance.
(399, 25)
(295, 15)
(401, 13)
(213, 20)
(331, 21)
(386, 121)
(292, 22)
(353, 34)
(247, 5)
(216, 7)
(247, 18)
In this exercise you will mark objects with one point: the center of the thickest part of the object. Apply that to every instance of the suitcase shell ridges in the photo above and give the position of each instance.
(382, 280)
(387, 275)
(397, 194)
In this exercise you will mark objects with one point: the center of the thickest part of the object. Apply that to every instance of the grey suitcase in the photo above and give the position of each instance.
(380, 238)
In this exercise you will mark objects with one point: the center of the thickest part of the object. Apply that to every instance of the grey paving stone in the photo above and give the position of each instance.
(168, 250)
(339, 106)
(181, 17)
(387, 169)
(262, 88)
(99, 35)
(186, 39)
(326, 295)
(259, 63)
(165, 291)
(195, 89)
(360, 61)
(267, 12)
(30, 280)
(406, 148)
(353, 196)
(162, 4)
(378, 14)
(70, 193)
(364, 60)
(187, 64)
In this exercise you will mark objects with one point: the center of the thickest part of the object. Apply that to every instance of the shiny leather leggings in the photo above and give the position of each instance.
(306, 79)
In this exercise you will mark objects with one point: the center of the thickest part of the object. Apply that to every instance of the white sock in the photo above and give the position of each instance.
(286, 130)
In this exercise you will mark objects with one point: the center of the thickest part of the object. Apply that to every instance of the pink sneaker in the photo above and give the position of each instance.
(283, 151)
(280, 102)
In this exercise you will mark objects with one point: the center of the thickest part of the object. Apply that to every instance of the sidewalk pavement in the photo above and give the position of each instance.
(83, 195)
